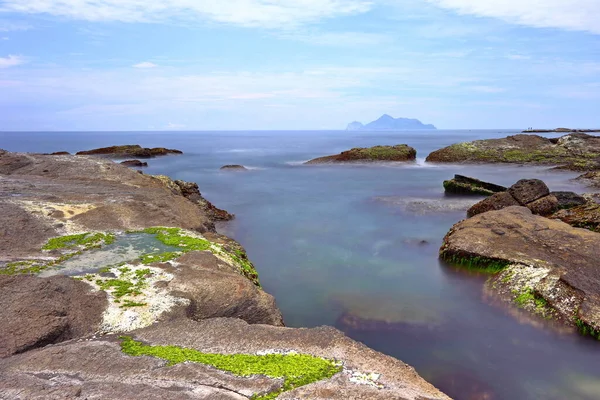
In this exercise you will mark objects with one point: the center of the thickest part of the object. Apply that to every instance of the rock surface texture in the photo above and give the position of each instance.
(129, 151)
(531, 193)
(546, 266)
(399, 152)
(577, 151)
(199, 300)
(463, 185)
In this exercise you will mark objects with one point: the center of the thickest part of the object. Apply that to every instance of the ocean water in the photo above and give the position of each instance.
(355, 246)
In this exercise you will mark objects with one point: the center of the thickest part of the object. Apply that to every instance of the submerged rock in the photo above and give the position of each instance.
(547, 266)
(234, 168)
(134, 163)
(471, 186)
(130, 150)
(399, 152)
(577, 151)
(37, 312)
(591, 178)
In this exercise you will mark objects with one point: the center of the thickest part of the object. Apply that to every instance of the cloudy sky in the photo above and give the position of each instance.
(297, 64)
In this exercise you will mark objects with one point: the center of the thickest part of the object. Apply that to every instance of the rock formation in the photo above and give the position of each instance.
(399, 152)
(134, 163)
(463, 185)
(129, 151)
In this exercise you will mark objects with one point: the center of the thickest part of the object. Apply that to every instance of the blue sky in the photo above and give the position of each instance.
(297, 64)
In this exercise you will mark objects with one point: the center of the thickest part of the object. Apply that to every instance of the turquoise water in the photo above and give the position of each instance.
(335, 242)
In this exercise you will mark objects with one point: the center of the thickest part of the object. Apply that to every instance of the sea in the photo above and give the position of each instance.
(356, 247)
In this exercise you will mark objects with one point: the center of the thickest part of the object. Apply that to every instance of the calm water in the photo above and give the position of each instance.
(339, 243)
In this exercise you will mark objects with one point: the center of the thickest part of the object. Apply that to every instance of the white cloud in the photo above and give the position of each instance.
(145, 64)
(11, 61)
(265, 13)
(581, 15)
(488, 89)
(10, 26)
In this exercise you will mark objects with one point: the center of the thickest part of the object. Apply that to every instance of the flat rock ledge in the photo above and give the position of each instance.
(400, 153)
(576, 151)
(544, 266)
(129, 151)
(464, 185)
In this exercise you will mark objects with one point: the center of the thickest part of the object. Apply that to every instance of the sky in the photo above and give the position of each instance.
(297, 64)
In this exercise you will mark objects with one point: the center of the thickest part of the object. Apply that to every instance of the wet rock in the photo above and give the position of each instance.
(550, 267)
(234, 168)
(577, 151)
(591, 179)
(526, 191)
(544, 206)
(36, 312)
(134, 163)
(568, 199)
(399, 152)
(585, 216)
(471, 186)
(129, 151)
(98, 369)
(497, 201)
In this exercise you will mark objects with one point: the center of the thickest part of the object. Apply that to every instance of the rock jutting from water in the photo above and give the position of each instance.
(233, 167)
(134, 163)
(544, 266)
(129, 151)
(188, 323)
(577, 151)
(400, 153)
(464, 185)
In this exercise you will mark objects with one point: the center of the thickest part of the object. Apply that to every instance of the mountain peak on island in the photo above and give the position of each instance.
(388, 123)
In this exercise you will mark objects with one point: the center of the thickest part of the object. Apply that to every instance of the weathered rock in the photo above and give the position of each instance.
(134, 163)
(591, 178)
(497, 201)
(234, 168)
(399, 152)
(578, 151)
(60, 153)
(568, 199)
(47, 196)
(550, 268)
(585, 216)
(471, 186)
(526, 191)
(190, 191)
(544, 206)
(129, 151)
(39, 311)
(98, 369)
(217, 289)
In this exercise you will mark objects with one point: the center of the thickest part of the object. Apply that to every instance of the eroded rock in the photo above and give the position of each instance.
(129, 151)
(550, 266)
(497, 201)
(134, 163)
(39, 311)
(527, 191)
(399, 152)
(465, 185)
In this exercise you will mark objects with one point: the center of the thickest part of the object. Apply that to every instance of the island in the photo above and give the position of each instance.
(389, 123)
(399, 153)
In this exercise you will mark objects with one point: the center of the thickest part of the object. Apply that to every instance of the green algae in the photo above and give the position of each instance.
(475, 263)
(129, 303)
(296, 370)
(176, 237)
(87, 240)
(586, 329)
(528, 299)
(452, 186)
(127, 284)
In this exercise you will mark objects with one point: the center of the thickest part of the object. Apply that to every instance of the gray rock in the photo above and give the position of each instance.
(39, 311)
(568, 199)
(526, 191)
(465, 185)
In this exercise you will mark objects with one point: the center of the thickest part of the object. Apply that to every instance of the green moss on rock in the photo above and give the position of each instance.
(295, 369)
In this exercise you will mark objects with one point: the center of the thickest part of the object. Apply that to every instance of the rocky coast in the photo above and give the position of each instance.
(115, 284)
(401, 152)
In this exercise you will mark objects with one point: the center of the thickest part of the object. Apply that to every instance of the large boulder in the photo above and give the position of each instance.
(497, 201)
(546, 266)
(577, 151)
(464, 185)
(98, 368)
(399, 152)
(527, 191)
(568, 199)
(36, 312)
(129, 151)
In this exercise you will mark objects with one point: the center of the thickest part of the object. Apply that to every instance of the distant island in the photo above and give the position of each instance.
(389, 123)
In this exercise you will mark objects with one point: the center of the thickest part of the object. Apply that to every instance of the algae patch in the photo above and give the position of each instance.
(295, 369)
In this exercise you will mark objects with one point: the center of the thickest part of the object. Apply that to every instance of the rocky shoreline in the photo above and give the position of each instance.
(145, 261)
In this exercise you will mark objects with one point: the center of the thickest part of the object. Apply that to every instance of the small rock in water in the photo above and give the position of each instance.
(134, 163)
(463, 185)
(234, 167)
